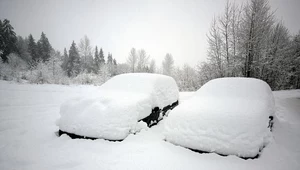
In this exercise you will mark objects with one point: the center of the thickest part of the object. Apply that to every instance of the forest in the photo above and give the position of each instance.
(244, 41)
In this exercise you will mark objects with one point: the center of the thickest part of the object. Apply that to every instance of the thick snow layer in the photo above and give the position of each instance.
(226, 116)
(28, 140)
(162, 90)
(114, 109)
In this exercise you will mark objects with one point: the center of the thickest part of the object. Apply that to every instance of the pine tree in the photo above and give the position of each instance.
(101, 55)
(32, 50)
(114, 61)
(97, 61)
(22, 46)
(8, 39)
(44, 48)
(65, 60)
(73, 66)
(109, 59)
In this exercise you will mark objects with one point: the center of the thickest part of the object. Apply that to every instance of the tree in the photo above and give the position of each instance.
(54, 64)
(32, 50)
(85, 51)
(96, 61)
(111, 66)
(215, 48)
(168, 64)
(294, 62)
(273, 68)
(142, 61)
(152, 67)
(225, 23)
(257, 22)
(73, 66)
(64, 64)
(109, 59)
(22, 49)
(132, 60)
(7, 39)
(101, 55)
(44, 48)
(186, 78)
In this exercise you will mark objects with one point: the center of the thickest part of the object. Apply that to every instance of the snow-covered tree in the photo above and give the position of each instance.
(32, 50)
(142, 61)
(44, 48)
(64, 64)
(85, 52)
(257, 22)
(215, 48)
(168, 64)
(152, 67)
(8, 39)
(73, 66)
(132, 60)
(22, 46)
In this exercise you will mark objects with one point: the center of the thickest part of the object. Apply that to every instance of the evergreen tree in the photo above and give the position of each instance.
(294, 62)
(97, 61)
(114, 61)
(22, 49)
(8, 39)
(65, 60)
(101, 55)
(109, 59)
(32, 49)
(73, 66)
(168, 65)
(44, 47)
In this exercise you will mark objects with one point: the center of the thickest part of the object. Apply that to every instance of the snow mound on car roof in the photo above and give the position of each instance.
(114, 109)
(226, 116)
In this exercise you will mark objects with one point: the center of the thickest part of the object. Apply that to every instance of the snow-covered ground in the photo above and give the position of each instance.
(28, 141)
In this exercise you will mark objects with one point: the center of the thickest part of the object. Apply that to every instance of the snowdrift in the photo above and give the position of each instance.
(114, 109)
(226, 116)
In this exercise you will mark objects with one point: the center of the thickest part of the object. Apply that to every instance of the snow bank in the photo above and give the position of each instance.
(226, 116)
(114, 109)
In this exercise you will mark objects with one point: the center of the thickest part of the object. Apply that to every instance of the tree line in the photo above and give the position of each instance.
(248, 41)
(244, 41)
(38, 62)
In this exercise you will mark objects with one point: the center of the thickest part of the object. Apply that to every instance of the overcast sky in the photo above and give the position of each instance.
(158, 26)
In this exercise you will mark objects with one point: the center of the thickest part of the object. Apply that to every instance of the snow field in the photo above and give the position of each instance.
(28, 140)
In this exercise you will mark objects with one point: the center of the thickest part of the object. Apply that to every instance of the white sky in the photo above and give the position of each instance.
(159, 26)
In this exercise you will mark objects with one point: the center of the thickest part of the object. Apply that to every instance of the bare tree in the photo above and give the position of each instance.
(85, 52)
(132, 60)
(143, 60)
(215, 48)
(225, 23)
(257, 22)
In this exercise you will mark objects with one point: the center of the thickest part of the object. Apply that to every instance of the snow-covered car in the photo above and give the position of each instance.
(113, 111)
(228, 116)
